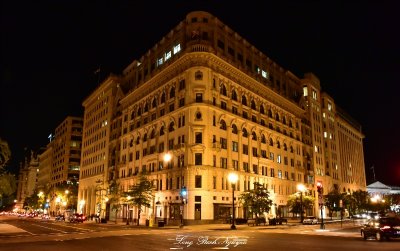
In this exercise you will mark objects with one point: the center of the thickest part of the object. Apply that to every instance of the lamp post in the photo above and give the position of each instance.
(233, 178)
(183, 192)
(301, 188)
(127, 212)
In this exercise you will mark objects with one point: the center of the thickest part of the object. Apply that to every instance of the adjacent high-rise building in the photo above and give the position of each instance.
(216, 103)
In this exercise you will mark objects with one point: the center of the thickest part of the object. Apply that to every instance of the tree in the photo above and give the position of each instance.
(294, 203)
(332, 201)
(358, 201)
(7, 184)
(256, 200)
(141, 194)
(5, 153)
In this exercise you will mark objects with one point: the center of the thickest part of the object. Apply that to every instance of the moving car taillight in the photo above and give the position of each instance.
(385, 227)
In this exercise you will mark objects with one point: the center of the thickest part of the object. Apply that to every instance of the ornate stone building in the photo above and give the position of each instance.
(219, 105)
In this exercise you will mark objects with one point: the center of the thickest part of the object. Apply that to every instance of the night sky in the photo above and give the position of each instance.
(50, 50)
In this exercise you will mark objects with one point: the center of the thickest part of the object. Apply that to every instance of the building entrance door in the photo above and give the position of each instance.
(197, 211)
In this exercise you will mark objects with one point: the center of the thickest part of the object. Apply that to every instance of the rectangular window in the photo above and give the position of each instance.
(279, 174)
(235, 146)
(264, 153)
(199, 97)
(224, 143)
(181, 102)
(171, 107)
(271, 156)
(305, 91)
(278, 159)
(221, 44)
(223, 105)
(198, 159)
(235, 165)
(246, 167)
(272, 171)
(255, 154)
(167, 55)
(255, 169)
(234, 110)
(224, 163)
(214, 160)
(198, 181)
(214, 182)
(177, 48)
(199, 138)
(245, 149)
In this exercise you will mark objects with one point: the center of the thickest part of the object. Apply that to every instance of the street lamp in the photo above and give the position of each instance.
(233, 178)
(128, 213)
(301, 188)
(183, 193)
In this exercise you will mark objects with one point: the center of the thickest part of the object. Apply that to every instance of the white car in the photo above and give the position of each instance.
(310, 220)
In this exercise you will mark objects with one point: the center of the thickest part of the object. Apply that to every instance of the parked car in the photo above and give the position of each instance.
(382, 228)
(310, 220)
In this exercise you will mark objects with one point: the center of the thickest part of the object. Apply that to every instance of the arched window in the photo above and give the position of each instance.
(253, 136)
(223, 125)
(253, 105)
(162, 130)
(234, 129)
(171, 127)
(163, 98)
(154, 104)
(145, 137)
(262, 111)
(133, 114)
(234, 95)
(172, 92)
(244, 100)
(278, 144)
(284, 146)
(139, 111)
(223, 90)
(277, 117)
(146, 107)
(263, 139)
(244, 133)
(152, 134)
(137, 140)
(271, 142)
(270, 113)
(291, 149)
(290, 123)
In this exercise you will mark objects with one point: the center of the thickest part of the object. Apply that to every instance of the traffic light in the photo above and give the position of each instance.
(184, 195)
(320, 189)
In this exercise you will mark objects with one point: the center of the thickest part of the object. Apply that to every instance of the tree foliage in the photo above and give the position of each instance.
(257, 200)
(5, 153)
(140, 194)
(7, 184)
(332, 201)
(294, 203)
(357, 202)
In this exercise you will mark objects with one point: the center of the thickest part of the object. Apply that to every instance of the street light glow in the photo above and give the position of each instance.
(233, 178)
(167, 157)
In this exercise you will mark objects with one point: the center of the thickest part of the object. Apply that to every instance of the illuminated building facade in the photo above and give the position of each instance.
(219, 105)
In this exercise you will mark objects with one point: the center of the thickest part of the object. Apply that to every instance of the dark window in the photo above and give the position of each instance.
(221, 44)
(199, 138)
(199, 97)
(198, 159)
(198, 181)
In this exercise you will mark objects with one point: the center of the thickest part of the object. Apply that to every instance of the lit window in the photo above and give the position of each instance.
(264, 74)
(323, 115)
(329, 106)
(177, 48)
(168, 55)
(160, 61)
(316, 149)
(305, 91)
(278, 159)
(325, 134)
(314, 95)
